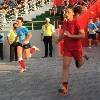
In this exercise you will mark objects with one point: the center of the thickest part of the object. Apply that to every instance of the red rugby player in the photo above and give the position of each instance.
(73, 32)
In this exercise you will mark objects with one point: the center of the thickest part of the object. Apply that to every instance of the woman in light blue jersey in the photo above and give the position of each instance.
(24, 36)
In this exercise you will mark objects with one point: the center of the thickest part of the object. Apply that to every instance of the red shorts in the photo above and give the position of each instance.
(77, 54)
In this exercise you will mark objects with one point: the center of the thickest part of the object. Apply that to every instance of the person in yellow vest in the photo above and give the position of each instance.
(47, 36)
(13, 43)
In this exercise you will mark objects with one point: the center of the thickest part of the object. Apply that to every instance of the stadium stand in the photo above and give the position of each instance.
(10, 10)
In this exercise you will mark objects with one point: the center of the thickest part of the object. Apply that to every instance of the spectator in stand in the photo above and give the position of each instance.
(26, 7)
(53, 11)
(30, 3)
(38, 3)
(84, 7)
(98, 31)
(1, 43)
(92, 28)
(18, 1)
(16, 12)
(80, 2)
(65, 3)
(46, 1)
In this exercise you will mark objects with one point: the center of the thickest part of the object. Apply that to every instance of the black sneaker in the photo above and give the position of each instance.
(2, 58)
(11, 60)
(44, 57)
(86, 57)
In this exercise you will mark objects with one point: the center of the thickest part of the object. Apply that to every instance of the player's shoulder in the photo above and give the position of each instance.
(76, 21)
(51, 25)
(11, 30)
(43, 25)
(2, 33)
(23, 27)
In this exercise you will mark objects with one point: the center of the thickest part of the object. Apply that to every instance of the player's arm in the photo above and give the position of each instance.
(60, 38)
(41, 36)
(95, 29)
(8, 38)
(80, 29)
(79, 36)
(29, 36)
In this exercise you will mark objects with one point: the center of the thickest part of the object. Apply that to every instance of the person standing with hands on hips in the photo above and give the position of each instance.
(47, 36)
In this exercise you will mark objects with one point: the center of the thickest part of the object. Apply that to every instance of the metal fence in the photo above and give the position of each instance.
(32, 24)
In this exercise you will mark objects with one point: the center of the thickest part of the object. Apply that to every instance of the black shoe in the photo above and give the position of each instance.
(50, 55)
(11, 60)
(16, 59)
(44, 57)
(1, 58)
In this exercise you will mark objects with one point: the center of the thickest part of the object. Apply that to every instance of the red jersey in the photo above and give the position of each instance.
(73, 28)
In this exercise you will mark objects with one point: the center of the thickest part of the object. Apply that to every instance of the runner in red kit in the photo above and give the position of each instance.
(73, 32)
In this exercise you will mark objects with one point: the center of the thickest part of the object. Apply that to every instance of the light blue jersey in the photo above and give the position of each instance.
(91, 27)
(22, 33)
(1, 40)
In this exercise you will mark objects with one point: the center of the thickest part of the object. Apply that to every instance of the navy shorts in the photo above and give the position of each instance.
(26, 46)
(92, 36)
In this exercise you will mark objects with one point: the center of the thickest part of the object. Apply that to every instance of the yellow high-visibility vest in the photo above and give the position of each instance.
(13, 34)
(47, 31)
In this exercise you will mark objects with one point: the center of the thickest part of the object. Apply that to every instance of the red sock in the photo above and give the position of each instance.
(32, 50)
(22, 64)
(65, 84)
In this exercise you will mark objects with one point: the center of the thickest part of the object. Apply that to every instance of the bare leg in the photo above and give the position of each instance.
(66, 65)
(90, 41)
(27, 53)
(97, 41)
